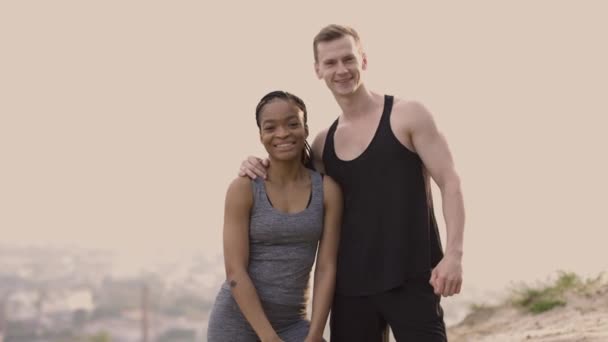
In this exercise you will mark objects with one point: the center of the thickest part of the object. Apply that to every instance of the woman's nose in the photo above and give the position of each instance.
(282, 131)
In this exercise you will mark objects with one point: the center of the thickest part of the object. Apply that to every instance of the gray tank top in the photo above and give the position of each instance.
(282, 246)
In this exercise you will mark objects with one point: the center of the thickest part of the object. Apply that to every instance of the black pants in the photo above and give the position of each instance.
(412, 311)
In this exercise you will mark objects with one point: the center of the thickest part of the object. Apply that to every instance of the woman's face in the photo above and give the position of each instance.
(282, 130)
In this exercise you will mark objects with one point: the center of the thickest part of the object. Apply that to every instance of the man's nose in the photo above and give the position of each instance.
(341, 68)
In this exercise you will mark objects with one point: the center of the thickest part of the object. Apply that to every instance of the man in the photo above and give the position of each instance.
(381, 150)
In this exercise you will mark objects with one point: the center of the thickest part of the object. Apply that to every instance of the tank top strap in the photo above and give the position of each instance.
(329, 153)
(329, 139)
(259, 193)
(385, 119)
(316, 187)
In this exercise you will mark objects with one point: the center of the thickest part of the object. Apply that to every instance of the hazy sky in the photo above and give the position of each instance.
(122, 122)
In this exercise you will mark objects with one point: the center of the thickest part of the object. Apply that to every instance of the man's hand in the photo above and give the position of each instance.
(254, 167)
(446, 277)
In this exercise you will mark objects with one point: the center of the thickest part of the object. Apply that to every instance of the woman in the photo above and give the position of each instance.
(273, 229)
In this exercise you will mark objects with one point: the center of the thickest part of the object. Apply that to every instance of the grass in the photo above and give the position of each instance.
(546, 297)
(478, 307)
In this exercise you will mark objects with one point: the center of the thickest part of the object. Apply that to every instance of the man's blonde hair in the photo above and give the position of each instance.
(333, 32)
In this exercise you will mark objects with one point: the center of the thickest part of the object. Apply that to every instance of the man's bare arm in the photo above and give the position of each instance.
(317, 150)
(434, 151)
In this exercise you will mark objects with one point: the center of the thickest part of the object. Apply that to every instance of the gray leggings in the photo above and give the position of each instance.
(227, 323)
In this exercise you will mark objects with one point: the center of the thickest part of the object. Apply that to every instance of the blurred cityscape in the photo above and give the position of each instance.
(64, 294)
(72, 294)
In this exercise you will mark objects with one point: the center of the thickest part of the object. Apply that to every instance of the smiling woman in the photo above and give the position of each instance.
(273, 229)
(282, 120)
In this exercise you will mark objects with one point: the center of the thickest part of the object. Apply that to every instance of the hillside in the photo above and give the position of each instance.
(568, 310)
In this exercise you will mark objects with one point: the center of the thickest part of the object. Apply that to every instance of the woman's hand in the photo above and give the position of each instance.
(272, 338)
(313, 338)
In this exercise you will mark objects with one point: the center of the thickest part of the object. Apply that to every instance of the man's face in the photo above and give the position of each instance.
(340, 64)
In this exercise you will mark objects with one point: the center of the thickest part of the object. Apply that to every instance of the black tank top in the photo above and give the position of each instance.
(389, 232)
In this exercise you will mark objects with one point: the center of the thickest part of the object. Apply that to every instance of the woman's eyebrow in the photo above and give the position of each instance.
(288, 117)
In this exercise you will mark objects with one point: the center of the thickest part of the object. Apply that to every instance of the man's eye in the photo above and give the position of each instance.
(294, 124)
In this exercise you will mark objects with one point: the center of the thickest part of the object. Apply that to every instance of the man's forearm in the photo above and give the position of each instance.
(454, 215)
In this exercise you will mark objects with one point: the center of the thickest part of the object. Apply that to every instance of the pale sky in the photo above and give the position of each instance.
(122, 122)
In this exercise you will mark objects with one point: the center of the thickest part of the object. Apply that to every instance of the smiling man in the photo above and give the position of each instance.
(383, 151)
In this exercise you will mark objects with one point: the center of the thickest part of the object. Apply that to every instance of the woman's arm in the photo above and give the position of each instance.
(325, 271)
(239, 201)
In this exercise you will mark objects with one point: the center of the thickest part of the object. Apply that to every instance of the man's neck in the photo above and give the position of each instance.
(358, 104)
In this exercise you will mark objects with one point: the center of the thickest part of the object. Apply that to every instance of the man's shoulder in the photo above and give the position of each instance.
(410, 112)
(319, 140)
(322, 134)
(409, 106)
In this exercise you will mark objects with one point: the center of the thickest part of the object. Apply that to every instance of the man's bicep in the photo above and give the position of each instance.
(432, 147)
(317, 151)
(317, 163)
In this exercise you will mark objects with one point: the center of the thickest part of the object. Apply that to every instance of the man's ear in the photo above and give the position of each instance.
(306, 130)
(317, 71)
(363, 61)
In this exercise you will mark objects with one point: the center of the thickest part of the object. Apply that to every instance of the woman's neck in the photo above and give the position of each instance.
(284, 172)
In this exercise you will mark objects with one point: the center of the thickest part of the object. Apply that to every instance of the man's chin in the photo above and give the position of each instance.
(343, 91)
(347, 89)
